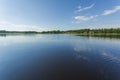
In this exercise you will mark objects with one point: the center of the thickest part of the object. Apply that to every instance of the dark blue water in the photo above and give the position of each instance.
(59, 57)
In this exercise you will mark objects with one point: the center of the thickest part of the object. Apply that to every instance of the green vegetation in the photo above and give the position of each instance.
(111, 31)
(17, 32)
(83, 32)
(52, 32)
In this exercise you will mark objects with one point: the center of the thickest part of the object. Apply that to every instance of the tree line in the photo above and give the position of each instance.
(103, 31)
(87, 31)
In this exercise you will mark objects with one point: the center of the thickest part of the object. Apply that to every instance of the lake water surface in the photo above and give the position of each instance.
(59, 57)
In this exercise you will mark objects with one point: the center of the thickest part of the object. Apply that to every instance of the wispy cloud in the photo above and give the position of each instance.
(108, 12)
(85, 8)
(4, 25)
(79, 19)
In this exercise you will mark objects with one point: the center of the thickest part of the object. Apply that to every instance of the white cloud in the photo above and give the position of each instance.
(116, 9)
(78, 19)
(85, 8)
(4, 25)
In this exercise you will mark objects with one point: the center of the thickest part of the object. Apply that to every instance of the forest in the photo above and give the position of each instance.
(103, 31)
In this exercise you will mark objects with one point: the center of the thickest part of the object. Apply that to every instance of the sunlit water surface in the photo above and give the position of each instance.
(59, 57)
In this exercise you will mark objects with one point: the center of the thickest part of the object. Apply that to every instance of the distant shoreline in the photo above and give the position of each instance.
(82, 32)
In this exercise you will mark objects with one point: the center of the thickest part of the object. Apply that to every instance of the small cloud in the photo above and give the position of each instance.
(108, 12)
(80, 8)
(78, 19)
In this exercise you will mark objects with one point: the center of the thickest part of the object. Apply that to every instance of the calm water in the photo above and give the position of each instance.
(59, 57)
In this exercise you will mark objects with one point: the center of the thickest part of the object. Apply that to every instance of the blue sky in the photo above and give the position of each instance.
(58, 14)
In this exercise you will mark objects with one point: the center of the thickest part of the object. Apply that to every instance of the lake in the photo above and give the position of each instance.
(59, 57)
